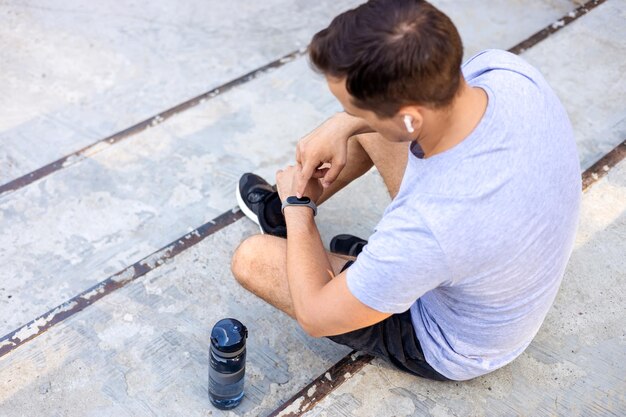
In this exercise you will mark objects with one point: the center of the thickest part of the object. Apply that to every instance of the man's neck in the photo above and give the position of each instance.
(446, 128)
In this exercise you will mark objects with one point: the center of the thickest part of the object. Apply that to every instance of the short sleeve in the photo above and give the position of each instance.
(401, 262)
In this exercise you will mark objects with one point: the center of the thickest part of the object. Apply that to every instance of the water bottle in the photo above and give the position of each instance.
(227, 363)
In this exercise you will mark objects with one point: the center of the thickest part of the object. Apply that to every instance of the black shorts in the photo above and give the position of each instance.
(394, 340)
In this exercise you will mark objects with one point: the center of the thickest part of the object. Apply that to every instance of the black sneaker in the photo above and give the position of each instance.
(259, 201)
(347, 245)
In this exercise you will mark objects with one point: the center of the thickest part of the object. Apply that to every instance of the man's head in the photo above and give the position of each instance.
(387, 59)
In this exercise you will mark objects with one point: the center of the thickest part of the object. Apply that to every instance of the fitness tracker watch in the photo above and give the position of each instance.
(295, 201)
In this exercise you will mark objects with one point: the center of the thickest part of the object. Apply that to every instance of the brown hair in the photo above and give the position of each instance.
(392, 53)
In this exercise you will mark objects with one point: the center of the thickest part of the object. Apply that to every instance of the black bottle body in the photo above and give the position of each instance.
(227, 363)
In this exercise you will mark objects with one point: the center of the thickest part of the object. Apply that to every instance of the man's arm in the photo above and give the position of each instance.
(327, 144)
(323, 305)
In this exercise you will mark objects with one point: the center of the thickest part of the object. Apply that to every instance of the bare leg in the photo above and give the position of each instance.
(260, 266)
(367, 150)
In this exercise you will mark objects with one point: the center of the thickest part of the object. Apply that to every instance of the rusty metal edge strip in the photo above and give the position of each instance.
(41, 324)
(309, 396)
(102, 144)
(556, 26)
(601, 168)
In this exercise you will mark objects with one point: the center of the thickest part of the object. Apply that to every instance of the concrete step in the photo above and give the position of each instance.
(143, 349)
(75, 228)
(96, 217)
(585, 66)
(77, 72)
(92, 71)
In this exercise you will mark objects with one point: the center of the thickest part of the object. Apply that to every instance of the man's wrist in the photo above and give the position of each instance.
(305, 209)
(298, 215)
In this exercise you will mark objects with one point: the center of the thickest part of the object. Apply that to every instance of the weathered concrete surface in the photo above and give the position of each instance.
(143, 349)
(72, 229)
(574, 367)
(502, 24)
(585, 66)
(78, 72)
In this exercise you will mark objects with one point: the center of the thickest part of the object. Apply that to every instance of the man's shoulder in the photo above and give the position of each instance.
(493, 62)
(494, 58)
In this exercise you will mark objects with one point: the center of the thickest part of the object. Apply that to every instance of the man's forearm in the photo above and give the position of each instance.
(350, 125)
(308, 266)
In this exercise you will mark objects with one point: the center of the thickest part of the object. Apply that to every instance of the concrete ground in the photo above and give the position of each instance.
(96, 319)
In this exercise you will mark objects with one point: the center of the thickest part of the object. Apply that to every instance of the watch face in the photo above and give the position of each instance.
(296, 200)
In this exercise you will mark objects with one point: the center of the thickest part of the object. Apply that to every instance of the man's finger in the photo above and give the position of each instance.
(332, 173)
(303, 178)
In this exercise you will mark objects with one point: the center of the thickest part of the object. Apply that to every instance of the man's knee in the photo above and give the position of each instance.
(244, 258)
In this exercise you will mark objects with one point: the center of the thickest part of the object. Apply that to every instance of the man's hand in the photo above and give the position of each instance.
(286, 184)
(323, 153)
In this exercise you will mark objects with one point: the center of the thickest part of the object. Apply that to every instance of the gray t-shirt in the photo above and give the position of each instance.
(478, 237)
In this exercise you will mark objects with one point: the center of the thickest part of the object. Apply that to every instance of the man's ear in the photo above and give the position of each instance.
(410, 117)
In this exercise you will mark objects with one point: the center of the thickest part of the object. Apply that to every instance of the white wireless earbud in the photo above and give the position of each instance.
(408, 122)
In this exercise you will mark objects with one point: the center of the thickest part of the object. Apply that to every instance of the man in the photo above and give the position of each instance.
(482, 167)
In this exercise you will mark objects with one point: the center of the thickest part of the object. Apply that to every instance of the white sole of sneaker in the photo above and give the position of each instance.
(244, 208)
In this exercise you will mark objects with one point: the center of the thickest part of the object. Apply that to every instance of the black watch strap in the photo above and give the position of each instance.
(302, 202)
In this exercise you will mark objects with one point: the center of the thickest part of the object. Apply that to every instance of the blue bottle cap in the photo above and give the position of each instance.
(229, 335)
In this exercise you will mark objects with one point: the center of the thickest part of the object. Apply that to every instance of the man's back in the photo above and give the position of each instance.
(481, 232)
